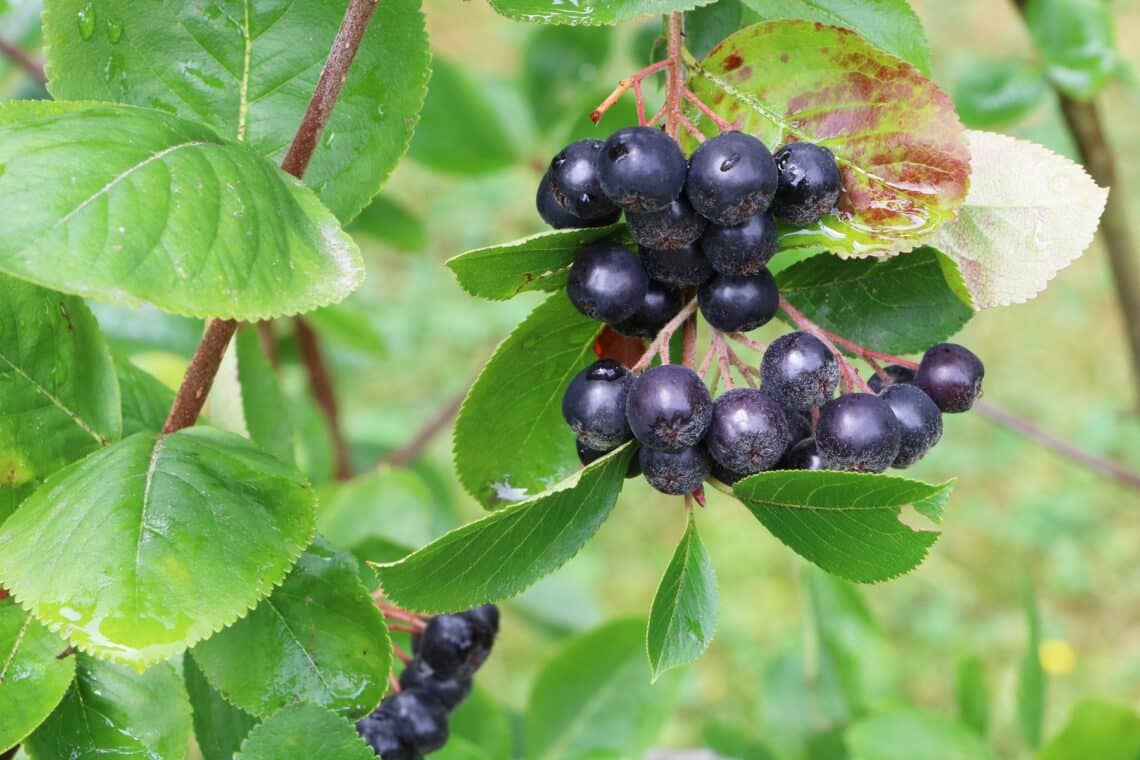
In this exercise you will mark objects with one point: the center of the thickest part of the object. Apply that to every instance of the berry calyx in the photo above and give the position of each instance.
(669, 408)
(674, 226)
(742, 249)
(857, 431)
(895, 373)
(661, 303)
(809, 183)
(684, 267)
(607, 282)
(738, 303)
(641, 169)
(952, 376)
(594, 405)
(574, 180)
(676, 472)
(800, 371)
(920, 422)
(731, 177)
(749, 431)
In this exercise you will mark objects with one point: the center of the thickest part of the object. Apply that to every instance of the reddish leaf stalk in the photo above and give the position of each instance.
(199, 377)
(660, 344)
(676, 82)
(22, 59)
(321, 385)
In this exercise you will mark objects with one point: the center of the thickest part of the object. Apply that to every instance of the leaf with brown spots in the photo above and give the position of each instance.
(898, 141)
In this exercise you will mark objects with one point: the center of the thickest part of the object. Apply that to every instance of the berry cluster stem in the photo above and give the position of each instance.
(660, 344)
(676, 82)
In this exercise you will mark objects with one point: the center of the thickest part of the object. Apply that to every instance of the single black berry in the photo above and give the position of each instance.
(920, 422)
(857, 431)
(742, 249)
(749, 431)
(452, 647)
(594, 405)
(486, 615)
(383, 732)
(895, 374)
(800, 371)
(809, 183)
(738, 303)
(586, 455)
(725, 475)
(574, 178)
(450, 692)
(672, 227)
(676, 472)
(607, 282)
(799, 425)
(422, 717)
(661, 303)
(669, 408)
(951, 375)
(641, 169)
(551, 209)
(803, 456)
(731, 177)
(684, 267)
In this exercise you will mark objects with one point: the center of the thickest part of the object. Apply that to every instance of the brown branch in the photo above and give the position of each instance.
(268, 338)
(26, 62)
(204, 366)
(10, 753)
(408, 453)
(333, 76)
(321, 384)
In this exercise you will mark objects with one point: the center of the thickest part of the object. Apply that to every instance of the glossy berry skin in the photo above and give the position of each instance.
(669, 408)
(952, 376)
(896, 373)
(809, 184)
(452, 647)
(800, 371)
(857, 431)
(743, 249)
(683, 267)
(641, 169)
(676, 472)
(423, 719)
(661, 303)
(803, 456)
(594, 405)
(739, 303)
(552, 211)
(587, 455)
(383, 732)
(920, 422)
(574, 179)
(607, 282)
(731, 177)
(726, 476)
(674, 226)
(486, 615)
(799, 425)
(451, 693)
(749, 431)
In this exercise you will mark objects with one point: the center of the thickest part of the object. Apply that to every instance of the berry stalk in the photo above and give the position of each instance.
(660, 344)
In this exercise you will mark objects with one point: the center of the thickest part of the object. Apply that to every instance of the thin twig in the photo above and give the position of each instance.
(676, 28)
(703, 107)
(321, 385)
(21, 58)
(689, 342)
(744, 340)
(633, 81)
(268, 338)
(199, 377)
(661, 342)
(407, 453)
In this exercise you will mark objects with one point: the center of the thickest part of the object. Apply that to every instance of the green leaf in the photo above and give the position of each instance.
(113, 712)
(593, 699)
(219, 727)
(684, 613)
(391, 222)
(913, 734)
(12, 496)
(319, 638)
(483, 145)
(149, 545)
(899, 305)
(498, 556)
(589, 14)
(999, 93)
(558, 63)
(846, 522)
(170, 215)
(1031, 682)
(32, 680)
(1075, 37)
(305, 731)
(734, 743)
(263, 403)
(900, 147)
(973, 694)
(1030, 213)
(248, 70)
(146, 401)
(891, 25)
(709, 24)
(146, 329)
(516, 405)
(1099, 729)
(387, 503)
(59, 397)
(538, 262)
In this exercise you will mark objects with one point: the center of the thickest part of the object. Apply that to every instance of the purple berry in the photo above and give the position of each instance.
(749, 431)
(857, 431)
(803, 456)
(809, 184)
(731, 177)
(743, 249)
(674, 226)
(676, 472)
(669, 408)
(574, 180)
(800, 371)
(594, 405)
(684, 267)
(641, 169)
(607, 282)
(952, 376)
(738, 303)
(661, 303)
(920, 422)
(895, 374)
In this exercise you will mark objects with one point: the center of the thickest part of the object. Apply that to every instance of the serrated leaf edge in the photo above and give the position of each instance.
(585, 20)
(245, 741)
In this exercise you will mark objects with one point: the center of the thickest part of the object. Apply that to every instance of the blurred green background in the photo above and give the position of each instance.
(1020, 516)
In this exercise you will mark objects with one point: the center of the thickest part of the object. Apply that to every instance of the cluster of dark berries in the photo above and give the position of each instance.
(414, 721)
(706, 222)
(685, 435)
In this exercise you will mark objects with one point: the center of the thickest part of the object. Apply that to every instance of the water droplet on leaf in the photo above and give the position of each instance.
(86, 21)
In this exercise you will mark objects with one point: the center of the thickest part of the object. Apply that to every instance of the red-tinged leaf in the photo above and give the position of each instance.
(899, 143)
